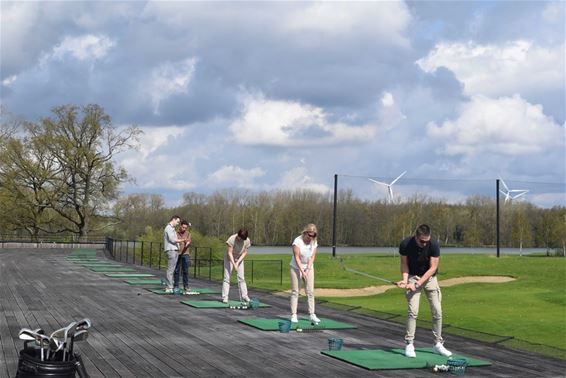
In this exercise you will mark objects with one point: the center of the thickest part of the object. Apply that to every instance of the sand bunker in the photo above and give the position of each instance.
(373, 290)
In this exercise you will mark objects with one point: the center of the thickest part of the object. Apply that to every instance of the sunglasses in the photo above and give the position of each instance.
(313, 235)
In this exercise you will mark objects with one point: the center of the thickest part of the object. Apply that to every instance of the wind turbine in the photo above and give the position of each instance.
(389, 186)
(511, 194)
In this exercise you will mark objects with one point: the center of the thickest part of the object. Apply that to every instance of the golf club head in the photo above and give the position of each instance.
(27, 334)
(84, 324)
(81, 335)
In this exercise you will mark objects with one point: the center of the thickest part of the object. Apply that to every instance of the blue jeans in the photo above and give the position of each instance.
(182, 263)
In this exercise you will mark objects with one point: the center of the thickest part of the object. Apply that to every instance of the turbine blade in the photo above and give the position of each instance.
(504, 184)
(520, 194)
(398, 177)
(378, 182)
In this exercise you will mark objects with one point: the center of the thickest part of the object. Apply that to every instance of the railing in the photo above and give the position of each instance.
(47, 241)
(202, 263)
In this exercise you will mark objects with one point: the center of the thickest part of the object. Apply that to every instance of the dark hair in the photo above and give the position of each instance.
(184, 223)
(243, 233)
(423, 229)
(174, 217)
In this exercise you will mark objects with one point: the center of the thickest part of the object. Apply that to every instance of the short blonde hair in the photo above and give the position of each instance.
(311, 227)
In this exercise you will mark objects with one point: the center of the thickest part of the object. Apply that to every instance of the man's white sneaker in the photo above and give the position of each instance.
(314, 319)
(224, 300)
(410, 351)
(294, 318)
(440, 349)
(168, 291)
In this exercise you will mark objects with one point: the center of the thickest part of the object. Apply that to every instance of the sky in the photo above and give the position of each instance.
(263, 96)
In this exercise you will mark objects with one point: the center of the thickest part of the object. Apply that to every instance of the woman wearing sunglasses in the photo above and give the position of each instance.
(302, 268)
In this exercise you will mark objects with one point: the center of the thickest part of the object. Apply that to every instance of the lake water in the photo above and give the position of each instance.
(272, 250)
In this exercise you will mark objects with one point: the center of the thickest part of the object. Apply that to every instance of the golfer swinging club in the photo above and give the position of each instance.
(419, 263)
(238, 245)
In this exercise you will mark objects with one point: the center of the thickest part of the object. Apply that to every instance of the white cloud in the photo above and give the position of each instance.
(298, 179)
(499, 70)
(84, 47)
(506, 125)
(168, 79)
(385, 20)
(234, 175)
(9, 80)
(157, 163)
(154, 138)
(387, 99)
(389, 113)
(288, 123)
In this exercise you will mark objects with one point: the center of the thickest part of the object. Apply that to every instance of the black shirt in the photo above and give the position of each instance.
(418, 258)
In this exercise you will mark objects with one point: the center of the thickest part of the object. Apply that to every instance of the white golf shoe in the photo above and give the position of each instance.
(168, 291)
(314, 319)
(410, 351)
(438, 348)
(294, 318)
(224, 300)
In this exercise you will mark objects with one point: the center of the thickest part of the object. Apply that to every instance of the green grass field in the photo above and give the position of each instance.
(531, 308)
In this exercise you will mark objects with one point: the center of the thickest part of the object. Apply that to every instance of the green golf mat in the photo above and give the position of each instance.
(216, 304)
(109, 269)
(97, 264)
(382, 359)
(193, 291)
(144, 282)
(81, 259)
(124, 275)
(273, 324)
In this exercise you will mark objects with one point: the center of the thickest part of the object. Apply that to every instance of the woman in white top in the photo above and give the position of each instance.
(302, 267)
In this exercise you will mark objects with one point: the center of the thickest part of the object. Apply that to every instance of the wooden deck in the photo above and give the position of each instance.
(139, 334)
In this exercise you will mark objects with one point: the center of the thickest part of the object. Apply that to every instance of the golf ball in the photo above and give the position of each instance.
(435, 369)
(299, 330)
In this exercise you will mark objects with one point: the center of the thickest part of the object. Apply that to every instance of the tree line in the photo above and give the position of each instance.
(59, 176)
(276, 217)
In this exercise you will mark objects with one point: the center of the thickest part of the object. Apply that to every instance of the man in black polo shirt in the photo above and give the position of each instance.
(419, 263)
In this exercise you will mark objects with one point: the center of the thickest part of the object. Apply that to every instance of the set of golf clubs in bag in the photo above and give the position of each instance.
(53, 355)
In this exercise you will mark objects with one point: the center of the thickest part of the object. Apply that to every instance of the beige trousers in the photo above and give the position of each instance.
(434, 296)
(309, 289)
(243, 288)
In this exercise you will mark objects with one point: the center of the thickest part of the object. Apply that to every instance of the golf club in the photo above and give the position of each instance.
(80, 335)
(27, 335)
(62, 337)
(365, 274)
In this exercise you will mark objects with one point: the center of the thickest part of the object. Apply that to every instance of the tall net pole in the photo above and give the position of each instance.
(497, 215)
(334, 216)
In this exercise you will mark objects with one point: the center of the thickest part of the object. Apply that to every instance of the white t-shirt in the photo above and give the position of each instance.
(306, 251)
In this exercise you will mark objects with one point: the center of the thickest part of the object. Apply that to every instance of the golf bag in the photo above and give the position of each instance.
(30, 365)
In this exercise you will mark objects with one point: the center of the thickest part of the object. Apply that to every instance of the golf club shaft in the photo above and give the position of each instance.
(370, 276)
(365, 274)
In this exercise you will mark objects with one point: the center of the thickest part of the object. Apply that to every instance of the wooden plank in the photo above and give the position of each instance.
(136, 333)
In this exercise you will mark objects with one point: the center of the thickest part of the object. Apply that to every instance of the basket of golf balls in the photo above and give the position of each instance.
(284, 326)
(335, 343)
(254, 303)
(457, 366)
